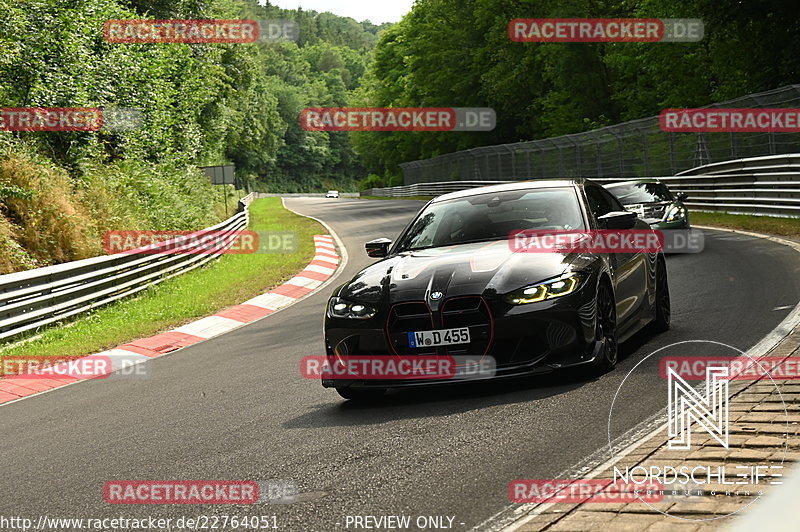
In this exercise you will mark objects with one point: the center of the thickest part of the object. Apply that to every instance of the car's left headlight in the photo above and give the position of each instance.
(341, 308)
(559, 287)
(674, 213)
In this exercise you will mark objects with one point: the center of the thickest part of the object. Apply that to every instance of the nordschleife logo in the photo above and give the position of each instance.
(686, 405)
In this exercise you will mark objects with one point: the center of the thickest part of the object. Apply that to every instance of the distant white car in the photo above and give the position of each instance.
(332, 194)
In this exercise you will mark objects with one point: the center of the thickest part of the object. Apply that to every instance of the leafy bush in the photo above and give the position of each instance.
(53, 225)
(371, 181)
(46, 217)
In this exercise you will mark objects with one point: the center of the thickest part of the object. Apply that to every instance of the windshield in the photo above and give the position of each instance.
(633, 193)
(489, 217)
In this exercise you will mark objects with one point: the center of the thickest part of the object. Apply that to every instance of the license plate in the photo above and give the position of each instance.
(438, 338)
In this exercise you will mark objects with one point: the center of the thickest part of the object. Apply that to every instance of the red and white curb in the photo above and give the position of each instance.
(322, 267)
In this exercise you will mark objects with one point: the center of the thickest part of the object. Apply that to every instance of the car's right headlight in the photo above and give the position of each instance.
(559, 287)
(341, 308)
(674, 213)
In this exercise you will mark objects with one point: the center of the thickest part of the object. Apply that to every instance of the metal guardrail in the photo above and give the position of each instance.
(767, 186)
(245, 202)
(33, 299)
(622, 151)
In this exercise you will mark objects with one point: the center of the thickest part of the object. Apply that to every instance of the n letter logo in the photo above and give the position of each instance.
(686, 405)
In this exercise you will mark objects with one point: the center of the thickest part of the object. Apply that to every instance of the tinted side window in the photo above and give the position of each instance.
(599, 203)
(616, 205)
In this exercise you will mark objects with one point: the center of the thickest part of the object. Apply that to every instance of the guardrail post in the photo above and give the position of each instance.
(701, 155)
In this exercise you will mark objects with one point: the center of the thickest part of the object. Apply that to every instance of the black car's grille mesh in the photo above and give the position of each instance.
(405, 318)
(471, 312)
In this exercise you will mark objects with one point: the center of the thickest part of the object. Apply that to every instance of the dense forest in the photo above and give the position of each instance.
(457, 53)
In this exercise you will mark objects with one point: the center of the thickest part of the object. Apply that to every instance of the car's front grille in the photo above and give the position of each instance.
(655, 212)
(472, 312)
(649, 210)
(405, 318)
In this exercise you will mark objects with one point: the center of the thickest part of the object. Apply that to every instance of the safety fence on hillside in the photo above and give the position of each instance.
(426, 189)
(33, 299)
(630, 149)
(768, 186)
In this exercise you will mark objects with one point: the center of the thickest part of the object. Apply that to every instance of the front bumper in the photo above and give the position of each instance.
(665, 226)
(521, 340)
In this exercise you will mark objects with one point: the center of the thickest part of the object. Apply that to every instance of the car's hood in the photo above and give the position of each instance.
(467, 269)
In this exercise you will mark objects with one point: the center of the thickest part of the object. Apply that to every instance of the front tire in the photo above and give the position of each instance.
(606, 330)
(361, 394)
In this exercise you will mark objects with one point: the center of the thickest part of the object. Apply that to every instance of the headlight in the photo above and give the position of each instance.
(551, 289)
(674, 213)
(341, 308)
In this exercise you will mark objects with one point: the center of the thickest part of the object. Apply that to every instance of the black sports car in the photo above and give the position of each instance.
(654, 203)
(452, 285)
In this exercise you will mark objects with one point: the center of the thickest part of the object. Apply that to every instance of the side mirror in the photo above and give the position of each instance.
(378, 248)
(618, 220)
(682, 196)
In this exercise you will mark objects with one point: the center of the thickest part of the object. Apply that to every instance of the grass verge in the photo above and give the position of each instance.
(228, 281)
(759, 224)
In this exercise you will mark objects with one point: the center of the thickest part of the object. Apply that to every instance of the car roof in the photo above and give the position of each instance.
(632, 182)
(509, 187)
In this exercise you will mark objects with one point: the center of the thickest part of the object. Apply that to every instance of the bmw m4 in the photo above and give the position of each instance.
(454, 285)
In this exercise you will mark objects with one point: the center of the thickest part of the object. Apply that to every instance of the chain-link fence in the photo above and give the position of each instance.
(631, 149)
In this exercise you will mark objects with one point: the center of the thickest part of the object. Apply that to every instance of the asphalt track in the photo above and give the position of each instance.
(237, 408)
